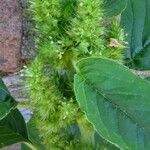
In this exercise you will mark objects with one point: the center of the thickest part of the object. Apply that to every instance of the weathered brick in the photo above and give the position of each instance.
(10, 35)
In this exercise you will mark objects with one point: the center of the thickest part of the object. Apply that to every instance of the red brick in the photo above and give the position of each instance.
(10, 35)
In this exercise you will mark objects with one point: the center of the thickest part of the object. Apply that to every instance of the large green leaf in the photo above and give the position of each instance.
(33, 136)
(12, 124)
(115, 101)
(148, 79)
(136, 22)
(6, 100)
(114, 7)
(13, 129)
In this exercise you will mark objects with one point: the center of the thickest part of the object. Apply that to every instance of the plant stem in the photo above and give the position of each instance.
(24, 105)
(87, 131)
(30, 145)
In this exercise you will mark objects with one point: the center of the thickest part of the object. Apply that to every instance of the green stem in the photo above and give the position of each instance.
(30, 145)
(87, 131)
(24, 105)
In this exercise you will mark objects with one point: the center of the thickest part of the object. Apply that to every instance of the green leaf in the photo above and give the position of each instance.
(101, 144)
(12, 124)
(136, 22)
(148, 79)
(33, 136)
(13, 129)
(114, 7)
(115, 101)
(7, 103)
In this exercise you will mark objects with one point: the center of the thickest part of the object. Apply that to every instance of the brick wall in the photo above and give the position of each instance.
(10, 35)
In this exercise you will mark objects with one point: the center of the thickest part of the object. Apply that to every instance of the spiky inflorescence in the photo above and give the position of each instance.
(67, 30)
(114, 40)
(86, 28)
(52, 111)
